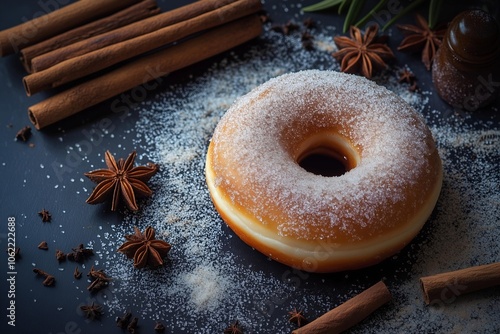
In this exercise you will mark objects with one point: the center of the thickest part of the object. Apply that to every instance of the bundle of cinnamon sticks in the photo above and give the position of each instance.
(87, 38)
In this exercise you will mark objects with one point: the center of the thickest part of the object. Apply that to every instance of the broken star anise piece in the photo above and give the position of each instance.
(132, 326)
(49, 279)
(46, 216)
(362, 54)
(286, 28)
(100, 279)
(24, 134)
(80, 253)
(159, 327)
(92, 311)
(121, 179)
(98, 274)
(123, 321)
(406, 76)
(60, 255)
(43, 245)
(77, 273)
(144, 248)
(307, 41)
(421, 37)
(297, 317)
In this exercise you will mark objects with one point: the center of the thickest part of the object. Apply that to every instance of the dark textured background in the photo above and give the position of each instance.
(25, 188)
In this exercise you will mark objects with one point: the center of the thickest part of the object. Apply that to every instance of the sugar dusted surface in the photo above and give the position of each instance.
(250, 153)
(212, 279)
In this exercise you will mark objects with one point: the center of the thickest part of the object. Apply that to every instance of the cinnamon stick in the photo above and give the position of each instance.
(95, 61)
(121, 34)
(446, 287)
(349, 313)
(134, 13)
(143, 70)
(56, 22)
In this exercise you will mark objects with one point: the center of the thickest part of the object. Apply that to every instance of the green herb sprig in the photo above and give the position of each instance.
(355, 6)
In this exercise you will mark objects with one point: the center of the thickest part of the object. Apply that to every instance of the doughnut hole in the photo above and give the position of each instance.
(327, 155)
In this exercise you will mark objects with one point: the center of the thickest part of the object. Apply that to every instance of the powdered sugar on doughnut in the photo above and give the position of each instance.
(393, 141)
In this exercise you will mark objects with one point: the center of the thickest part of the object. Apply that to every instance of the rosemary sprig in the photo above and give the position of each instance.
(402, 13)
(343, 5)
(352, 13)
(371, 13)
(434, 10)
(355, 6)
(325, 4)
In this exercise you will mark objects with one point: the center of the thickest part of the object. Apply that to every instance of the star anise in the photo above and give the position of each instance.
(406, 76)
(80, 253)
(362, 54)
(144, 248)
(46, 216)
(234, 328)
(92, 311)
(421, 37)
(121, 179)
(297, 317)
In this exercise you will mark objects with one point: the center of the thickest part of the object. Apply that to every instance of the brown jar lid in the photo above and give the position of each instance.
(474, 36)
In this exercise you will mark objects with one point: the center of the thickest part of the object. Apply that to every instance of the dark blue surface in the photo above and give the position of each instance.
(27, 187)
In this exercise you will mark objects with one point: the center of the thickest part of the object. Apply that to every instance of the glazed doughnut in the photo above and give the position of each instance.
(321, 223)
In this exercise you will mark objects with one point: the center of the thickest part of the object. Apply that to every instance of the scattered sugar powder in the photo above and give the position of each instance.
(212, 279)
(206, 286)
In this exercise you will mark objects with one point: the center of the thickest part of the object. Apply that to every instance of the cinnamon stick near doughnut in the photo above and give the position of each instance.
(445, 287)
(349, 313)
(79, 67)
(134, 13)
(56, 22)
(143, 70)
(133, 30)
